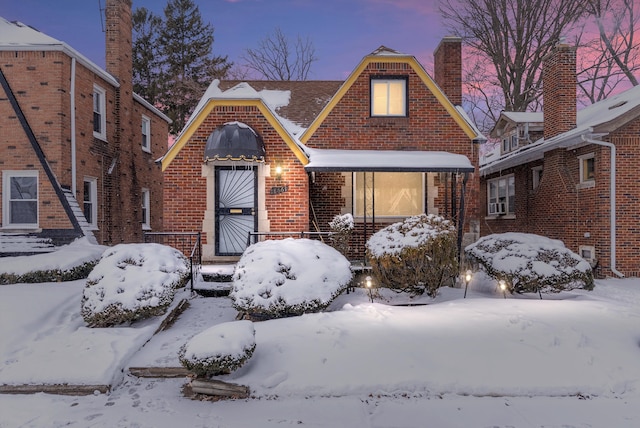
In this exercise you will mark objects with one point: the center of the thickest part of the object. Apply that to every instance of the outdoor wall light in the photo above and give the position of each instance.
(278, 171)
(467, 279)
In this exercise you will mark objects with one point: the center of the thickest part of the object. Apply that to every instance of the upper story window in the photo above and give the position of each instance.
(587, 169)
(146, 134)
(389, 97)
(388, 194)
(90, 201)
(501, 196)
(510, 142)
(99, 113)
(146, 216)
(20, 199)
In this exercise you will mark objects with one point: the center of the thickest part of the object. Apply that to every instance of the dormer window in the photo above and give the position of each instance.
(389, 97)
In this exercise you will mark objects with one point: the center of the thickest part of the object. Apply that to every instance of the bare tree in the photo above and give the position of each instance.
(515, 35)
(277, 58)
(612, 59)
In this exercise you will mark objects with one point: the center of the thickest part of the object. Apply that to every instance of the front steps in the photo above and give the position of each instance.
(215, 280)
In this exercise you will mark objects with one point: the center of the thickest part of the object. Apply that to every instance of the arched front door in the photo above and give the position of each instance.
(236, 207)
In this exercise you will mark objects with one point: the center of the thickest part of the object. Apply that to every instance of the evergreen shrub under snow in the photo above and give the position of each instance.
(132, 282)
(530, 263)
(281, 278)
(220, 349)
(416, 255)
(341, 230)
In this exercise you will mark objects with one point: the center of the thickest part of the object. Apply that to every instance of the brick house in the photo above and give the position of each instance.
(78, 146)
(568, 174)
(269, 158)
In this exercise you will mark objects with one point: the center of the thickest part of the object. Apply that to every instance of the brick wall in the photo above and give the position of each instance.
(185, 198)
(559, 80)
(428, 127)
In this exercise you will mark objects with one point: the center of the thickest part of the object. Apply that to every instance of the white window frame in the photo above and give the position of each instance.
(100, 108)
(498, 205)
(146, 134)
(93, 200)
(587, 252)
(382, 95)
(6, 199)
(357, 210)
(536, 176)
(583, 160)
(146, 208)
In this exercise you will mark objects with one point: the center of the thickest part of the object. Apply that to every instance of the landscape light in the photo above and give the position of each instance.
(368, 282)
(503, 287)
(467, 280)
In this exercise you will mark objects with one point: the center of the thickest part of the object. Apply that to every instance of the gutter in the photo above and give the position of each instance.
(612, 200)
(72, 95)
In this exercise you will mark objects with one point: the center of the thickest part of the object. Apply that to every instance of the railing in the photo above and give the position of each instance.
(189, 243)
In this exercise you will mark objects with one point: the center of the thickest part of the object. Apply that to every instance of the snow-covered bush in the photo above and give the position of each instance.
(68, 263)
(341, 230)
(416, 255)
(530, 263)
(280, 278)
(220, 349)
(132, 282)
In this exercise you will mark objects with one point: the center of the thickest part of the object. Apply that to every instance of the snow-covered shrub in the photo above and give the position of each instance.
(530, 263)
(341, 230)
(220, 349)
(280, 278)
(132, 282)
(417, 255)
(68, 263)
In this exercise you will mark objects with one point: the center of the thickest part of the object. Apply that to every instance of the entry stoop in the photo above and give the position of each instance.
(215, 280)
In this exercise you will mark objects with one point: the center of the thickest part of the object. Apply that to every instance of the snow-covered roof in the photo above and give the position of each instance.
(17, 36)
(524, 116)
(386, 160)
(595, 120)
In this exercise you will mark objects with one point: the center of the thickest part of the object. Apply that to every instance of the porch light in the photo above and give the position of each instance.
(467, 279)
(278, 171)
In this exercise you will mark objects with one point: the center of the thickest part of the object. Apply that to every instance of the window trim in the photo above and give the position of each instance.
(146, 208)
(388, 80)
(102, 106)
(93, 183)
(6, 198)
(146, 132)
(359, 215)
(492, 207)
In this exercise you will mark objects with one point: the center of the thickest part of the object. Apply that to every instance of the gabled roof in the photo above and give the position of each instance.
(267, 101)
(392, 56)
(597, 119)
(17, 36)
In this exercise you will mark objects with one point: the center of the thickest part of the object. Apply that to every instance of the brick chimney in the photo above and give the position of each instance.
(559, 90)
(447, 64)
(125, 187)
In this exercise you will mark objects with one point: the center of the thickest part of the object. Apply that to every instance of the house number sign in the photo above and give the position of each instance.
(276, 190)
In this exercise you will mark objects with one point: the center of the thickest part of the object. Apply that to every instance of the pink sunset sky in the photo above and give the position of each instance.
(342, 31)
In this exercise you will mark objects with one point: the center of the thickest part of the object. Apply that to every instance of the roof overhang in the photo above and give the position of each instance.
(536, 151)
(335, 160)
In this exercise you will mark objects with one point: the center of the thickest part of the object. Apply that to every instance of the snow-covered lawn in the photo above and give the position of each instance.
(569, 360)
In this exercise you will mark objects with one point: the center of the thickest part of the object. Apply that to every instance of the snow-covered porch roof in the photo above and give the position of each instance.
(386, 161)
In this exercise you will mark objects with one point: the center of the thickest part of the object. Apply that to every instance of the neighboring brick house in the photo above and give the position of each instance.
(577, 182)
(272, 157)
(78, 146)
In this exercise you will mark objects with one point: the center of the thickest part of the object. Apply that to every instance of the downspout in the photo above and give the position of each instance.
(72, 94)
(612, 201)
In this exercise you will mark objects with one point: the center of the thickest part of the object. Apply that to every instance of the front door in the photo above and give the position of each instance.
(235, 208)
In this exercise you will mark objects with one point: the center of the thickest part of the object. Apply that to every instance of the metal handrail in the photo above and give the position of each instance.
(192, 252)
